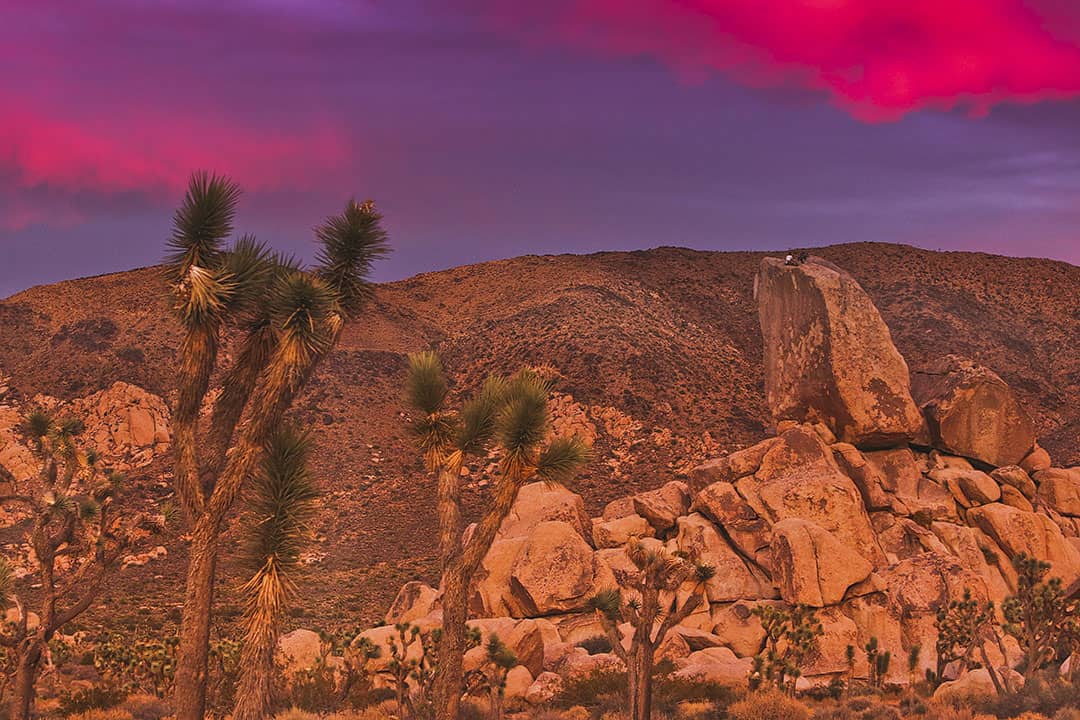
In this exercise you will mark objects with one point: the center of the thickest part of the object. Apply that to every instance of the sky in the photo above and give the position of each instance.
(495, 128)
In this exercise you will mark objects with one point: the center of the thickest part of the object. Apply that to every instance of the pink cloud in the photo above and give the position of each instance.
(878, 59)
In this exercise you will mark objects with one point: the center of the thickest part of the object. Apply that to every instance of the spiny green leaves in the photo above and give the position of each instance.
(425, 386)
(201, 223)
(38, 425)
(479, 416)
(351, 242)
(607, 602)
(499, 654)
(563, 458)
(282, 502)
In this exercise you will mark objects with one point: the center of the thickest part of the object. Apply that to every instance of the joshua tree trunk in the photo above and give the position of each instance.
(639, 678)
(25, 677)
(192, 655)
(254, 693)
(449, 680)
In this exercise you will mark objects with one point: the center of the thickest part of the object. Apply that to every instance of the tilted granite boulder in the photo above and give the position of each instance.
(699, 538)
(1032, 533)
(1059, 489)
(540, 502)
(830, 358)
(972, 412)
(811, 566)
(556, 571)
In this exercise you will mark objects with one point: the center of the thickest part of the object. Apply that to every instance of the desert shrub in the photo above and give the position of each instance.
(671, 693)
(296, 714)
(97, 697)
(596, 645)
(143, 706)
(112, 714)
(695, 710)
(594, 689)
(770, 705)
(1043, 694)
(858, 708)
(314, 689)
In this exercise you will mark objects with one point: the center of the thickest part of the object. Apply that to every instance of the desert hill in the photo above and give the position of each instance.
(656, 353)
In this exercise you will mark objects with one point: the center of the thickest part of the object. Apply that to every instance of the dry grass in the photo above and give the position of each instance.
(768, 706)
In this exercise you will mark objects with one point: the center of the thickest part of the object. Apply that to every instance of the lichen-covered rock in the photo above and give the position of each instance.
(714, 665)
(415, 600)
(1016, 477)
(829, 357)
(733, 579)
(799, 478)
(811, 566)
(1034, 534)
(968, 487)
(722, 503)
(1060, 490)
(972, 412)
(739, 628)
(299, 650)
(615, 533)
(542, 502)
(663, 506)
(556, 571)
(545, 688)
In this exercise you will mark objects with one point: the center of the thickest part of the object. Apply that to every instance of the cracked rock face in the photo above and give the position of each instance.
(829, 357)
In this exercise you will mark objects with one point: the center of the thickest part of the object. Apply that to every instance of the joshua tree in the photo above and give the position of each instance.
(964, 626)
(508, 417)
(284, 320)
(790, 637)
(77, 536)
(499, 660)
(652, 611)
(281, 508)
(878, 662)
(1039, 616)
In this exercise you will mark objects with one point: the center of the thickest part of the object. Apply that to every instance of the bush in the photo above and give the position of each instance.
(858, 708)
(596, 645)
(768, 706)
(92, 698)
(1043, 694)
(146, 707)
(595, 689)
(113, 714)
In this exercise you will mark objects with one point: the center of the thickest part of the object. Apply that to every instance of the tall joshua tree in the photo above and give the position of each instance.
(285, 320)
(652, 611)
(77, 535)
(277, 526)
(510, 418)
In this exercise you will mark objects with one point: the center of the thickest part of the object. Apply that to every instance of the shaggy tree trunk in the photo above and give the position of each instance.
(639, 682)
(255, 690)
(25, 678)
(450, 678)
(191, 665)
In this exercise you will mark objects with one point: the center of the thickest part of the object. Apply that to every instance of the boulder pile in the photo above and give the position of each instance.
(878, 501)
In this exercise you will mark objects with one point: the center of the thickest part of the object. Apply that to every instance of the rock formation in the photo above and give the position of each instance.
(859, 506)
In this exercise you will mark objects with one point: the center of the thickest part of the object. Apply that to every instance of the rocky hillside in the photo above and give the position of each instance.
(877, 503)
(658, 356)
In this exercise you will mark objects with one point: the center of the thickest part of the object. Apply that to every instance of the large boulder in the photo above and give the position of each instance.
(722, 503)
(829, 357)
(714, 665)
(1060, 489)
(811, 566)
(799, 478)
(1032, 533)
(299, 650)
(543, 502)
(556, 571)
(128, 425)
(663, 506)
(615, 533)
(414, 601)
(972, 412)
(698, 538)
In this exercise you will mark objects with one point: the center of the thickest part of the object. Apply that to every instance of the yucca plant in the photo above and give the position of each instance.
(652, 610)
(278, 525)
(284, 319)
(72, 507)
(490, 678)
(508, 417)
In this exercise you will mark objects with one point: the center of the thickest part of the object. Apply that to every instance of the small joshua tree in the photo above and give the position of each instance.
(790, 637)
(490, 678)
(1039, 616)
(964, 626)
(508, 417)
(282, 320)
(652, 611)
(878, 662)
(356, 654)
(78, 537)
(280, 510)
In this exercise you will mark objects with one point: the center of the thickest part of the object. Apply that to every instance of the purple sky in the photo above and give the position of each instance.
(485, 131)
